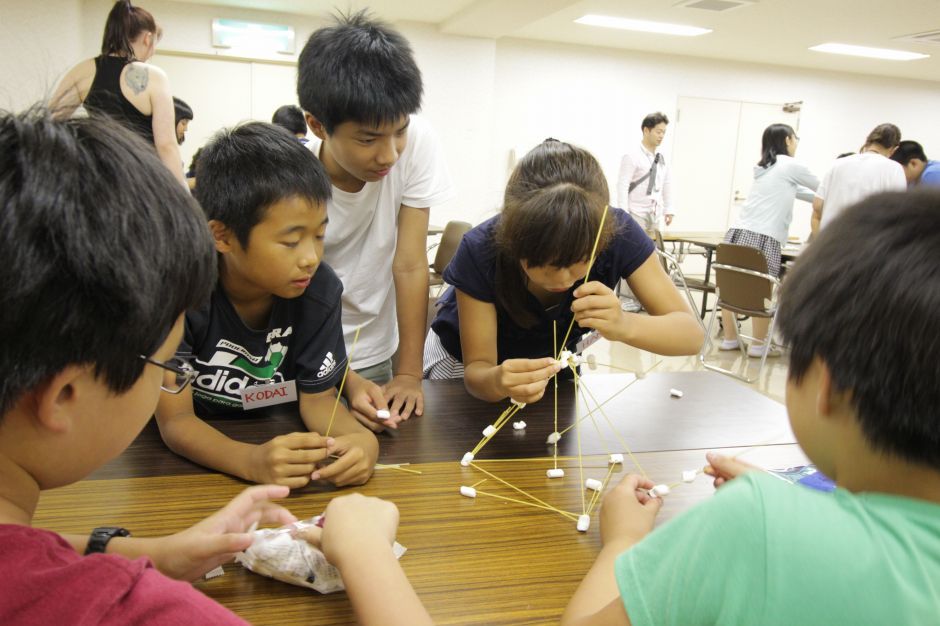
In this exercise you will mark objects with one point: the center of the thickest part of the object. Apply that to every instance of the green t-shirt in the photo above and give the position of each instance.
(763, 551)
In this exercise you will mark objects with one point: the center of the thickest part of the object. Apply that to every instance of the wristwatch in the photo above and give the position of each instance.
(100, 537)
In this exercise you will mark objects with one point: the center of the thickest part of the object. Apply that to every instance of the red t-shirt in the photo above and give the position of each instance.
(44, 581)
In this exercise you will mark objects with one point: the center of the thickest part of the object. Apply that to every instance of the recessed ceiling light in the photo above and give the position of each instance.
(623, 23)
(871, 53)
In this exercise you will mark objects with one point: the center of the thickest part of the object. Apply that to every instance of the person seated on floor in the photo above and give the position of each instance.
(272, 331)
(863, 395)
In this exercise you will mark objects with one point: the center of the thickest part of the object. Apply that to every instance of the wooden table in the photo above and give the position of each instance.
(472, 561)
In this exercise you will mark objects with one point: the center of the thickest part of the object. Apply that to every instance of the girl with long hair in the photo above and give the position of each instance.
(519, 275)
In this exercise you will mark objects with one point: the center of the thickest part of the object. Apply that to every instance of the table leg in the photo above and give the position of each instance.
(708, 272)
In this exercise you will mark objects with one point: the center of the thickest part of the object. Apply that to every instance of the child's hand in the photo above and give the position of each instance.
(354, 525)
(405, 396)
(525, 379)
(288, 459)
(596, 306)
(628, 512)
(365, 399)
(201, 548)
(357, 453)
(725, 468)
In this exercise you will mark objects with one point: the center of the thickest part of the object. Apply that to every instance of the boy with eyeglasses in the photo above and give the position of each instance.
(90, 316)
(272, 331)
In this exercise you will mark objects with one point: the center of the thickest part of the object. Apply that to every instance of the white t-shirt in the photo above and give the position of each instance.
(362, 234)
(853, 178)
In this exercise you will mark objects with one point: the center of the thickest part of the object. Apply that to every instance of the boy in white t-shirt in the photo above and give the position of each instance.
(359, 86)
(855, 177)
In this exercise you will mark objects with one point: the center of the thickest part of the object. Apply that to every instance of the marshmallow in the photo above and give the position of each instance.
(555, 473)
(553, 438)
(576, 359)
(383, 414)
(584, 522)
(614, 459)
(489, 431)
(518, 425)
(688, 476)
(465, 461)
(592, 362)
(563, 358)
(521, 405)
(468, 492)
(593, 484)
(675, 393)
(659, 491)
(215, 573)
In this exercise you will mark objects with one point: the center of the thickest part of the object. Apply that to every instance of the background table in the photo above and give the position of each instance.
(472, 561)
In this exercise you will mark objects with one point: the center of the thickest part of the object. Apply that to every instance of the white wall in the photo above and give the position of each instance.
(39, 41)
(488, 98)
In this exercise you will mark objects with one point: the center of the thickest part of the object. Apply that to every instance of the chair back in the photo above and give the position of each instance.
(450, 240)
(661, 247)
(741, 291)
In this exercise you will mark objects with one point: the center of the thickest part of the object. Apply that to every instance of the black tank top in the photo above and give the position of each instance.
(105, 97)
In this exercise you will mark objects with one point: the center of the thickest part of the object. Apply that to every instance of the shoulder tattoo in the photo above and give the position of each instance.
(137, 77)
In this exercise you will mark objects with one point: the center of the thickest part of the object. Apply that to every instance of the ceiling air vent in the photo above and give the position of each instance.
(931, 37)
(714, 5)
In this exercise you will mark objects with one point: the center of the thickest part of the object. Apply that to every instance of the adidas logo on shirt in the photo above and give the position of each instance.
(329, 364)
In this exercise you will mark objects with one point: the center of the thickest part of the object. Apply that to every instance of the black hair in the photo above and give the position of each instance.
(101, 249)
(653, 120)
(908, 150)
(124, 24)
(358, 70)
(182, 110)
(864, 299)
(244, 170)
(774, 143)
(551, 214)
(290, 117)
(845, 154)
(885, 135)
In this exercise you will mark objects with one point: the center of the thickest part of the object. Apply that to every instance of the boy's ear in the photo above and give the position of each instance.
(55, 403)
(315, 126)
(829, 400)
(222, 235)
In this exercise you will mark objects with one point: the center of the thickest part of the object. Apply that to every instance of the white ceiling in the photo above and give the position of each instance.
(777, 32)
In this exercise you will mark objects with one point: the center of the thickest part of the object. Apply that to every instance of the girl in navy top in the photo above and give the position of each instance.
(518, 275)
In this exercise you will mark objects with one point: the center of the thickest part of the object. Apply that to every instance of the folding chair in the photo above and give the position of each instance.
(450, 240)
(743, 287)
(674, 270)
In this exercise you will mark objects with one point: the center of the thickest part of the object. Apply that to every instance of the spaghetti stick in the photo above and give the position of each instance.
(570, 516)
(342, 383)
(511, 486)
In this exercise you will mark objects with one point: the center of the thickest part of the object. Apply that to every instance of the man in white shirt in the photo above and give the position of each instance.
(644, 186)
(359, 85)
(853, 178)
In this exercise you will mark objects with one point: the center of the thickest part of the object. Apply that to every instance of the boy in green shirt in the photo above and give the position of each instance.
(863, 394)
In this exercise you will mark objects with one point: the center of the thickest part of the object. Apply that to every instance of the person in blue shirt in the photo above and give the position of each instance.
(519, 278)
(918, 169)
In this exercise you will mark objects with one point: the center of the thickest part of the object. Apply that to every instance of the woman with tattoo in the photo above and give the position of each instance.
(121, 84)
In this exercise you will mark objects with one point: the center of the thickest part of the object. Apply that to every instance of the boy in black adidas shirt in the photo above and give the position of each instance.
(272, 332)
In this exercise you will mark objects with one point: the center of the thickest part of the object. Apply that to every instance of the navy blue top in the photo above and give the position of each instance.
(302, 341)
(473, 271)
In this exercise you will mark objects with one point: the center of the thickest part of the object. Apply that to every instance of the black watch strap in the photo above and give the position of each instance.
(100, 537)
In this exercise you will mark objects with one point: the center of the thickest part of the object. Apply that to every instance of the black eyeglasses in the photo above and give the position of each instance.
(182, 370)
